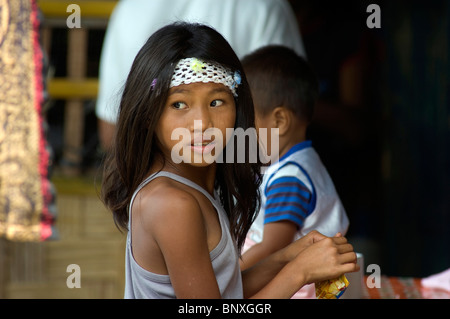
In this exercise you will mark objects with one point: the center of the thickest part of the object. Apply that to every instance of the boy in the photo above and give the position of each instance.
(297, 192)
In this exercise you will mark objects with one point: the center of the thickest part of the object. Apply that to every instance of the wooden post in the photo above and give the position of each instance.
(74, 113)
(4, 267)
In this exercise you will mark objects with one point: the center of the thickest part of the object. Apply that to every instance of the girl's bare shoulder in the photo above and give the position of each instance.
(164, 200)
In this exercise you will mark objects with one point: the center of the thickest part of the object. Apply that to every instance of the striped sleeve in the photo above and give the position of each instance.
(287, 198)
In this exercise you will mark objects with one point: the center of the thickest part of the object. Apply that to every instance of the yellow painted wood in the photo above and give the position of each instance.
(63, 88)
(89, 9)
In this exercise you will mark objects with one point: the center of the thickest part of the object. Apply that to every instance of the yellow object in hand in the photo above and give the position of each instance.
(331, 289)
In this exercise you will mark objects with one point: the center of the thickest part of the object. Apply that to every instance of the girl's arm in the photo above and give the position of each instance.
(178, 228)
(310, 259)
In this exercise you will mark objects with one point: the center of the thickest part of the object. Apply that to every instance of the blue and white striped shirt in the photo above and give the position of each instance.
(287, 198)
(299, 189)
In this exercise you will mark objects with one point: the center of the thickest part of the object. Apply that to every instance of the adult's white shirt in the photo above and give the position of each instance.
(246, 24)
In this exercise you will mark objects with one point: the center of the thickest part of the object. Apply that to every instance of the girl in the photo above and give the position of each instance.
(186, 219)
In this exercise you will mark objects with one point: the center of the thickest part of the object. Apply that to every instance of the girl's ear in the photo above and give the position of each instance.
(282, 119)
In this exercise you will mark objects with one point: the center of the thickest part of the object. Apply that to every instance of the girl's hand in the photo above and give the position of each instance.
(326, 258)
(292, 250)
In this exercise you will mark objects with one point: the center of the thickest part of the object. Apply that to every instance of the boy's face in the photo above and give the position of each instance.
(266, 128)
(262, 121)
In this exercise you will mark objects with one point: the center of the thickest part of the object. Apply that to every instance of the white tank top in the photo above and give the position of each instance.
(141, 283)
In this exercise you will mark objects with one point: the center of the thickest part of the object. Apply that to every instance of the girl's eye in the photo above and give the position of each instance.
(216, 103)
(179, 105)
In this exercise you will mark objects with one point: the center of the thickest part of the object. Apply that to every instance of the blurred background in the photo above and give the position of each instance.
(381, 127)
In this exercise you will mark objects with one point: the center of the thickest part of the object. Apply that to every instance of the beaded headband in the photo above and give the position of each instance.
(193, 70)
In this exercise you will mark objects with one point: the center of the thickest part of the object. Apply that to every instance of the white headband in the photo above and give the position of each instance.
(193, 70)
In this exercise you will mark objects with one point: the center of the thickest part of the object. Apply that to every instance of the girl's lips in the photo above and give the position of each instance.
(203, 147)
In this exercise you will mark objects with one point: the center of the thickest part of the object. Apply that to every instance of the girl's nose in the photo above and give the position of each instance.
(201, 121)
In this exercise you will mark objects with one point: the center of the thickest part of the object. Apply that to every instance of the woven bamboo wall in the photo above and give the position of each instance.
(88, 238)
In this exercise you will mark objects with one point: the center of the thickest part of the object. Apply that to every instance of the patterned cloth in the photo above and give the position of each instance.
(403, 288)
(25, 191)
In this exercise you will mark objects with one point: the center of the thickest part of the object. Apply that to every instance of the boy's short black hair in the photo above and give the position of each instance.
(280, 77)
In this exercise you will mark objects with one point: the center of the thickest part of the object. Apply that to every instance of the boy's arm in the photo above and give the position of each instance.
(312, 258)
(255, 278)
(276, 236)
(288, 203)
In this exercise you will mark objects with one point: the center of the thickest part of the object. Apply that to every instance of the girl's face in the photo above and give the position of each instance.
(193, 124)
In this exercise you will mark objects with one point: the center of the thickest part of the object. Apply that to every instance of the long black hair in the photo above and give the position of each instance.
(141, 106)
